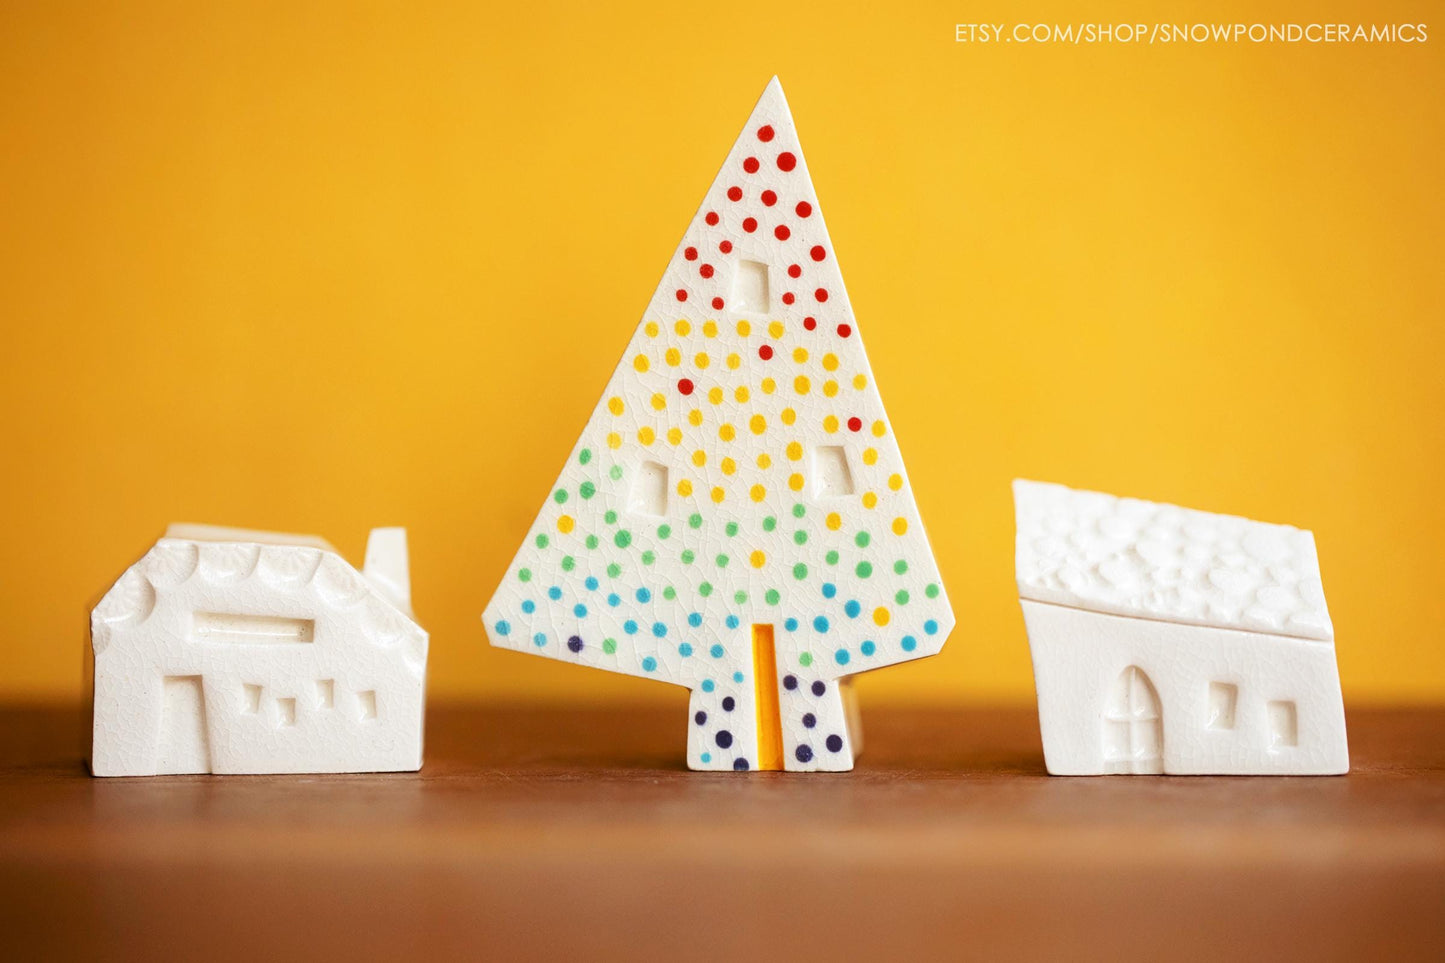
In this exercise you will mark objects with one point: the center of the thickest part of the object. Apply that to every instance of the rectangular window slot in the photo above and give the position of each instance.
(326, 693)
(251, 629)
(288, 711)
(251, 698)
(1283, 725)
(649, 490)
(367, 701)
(750, 288)
(765, 694)
(831, 476)
(1223, 696)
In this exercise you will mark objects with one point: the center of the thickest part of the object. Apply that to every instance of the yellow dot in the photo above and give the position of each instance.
(895, 481)
(699, 458)
(830, 388)
(694, 417)
(789, 416)
(757, 493)
(727, 432)
(765, 461)
(795, 451)
(682, 327)
(701, 360)
(869, 500)
(757, 424)
(870, 456)
(640, 362)
(564, 524)
(651, 328)
(776, 329)
(614, 405)
(830, 361)
(715, 395)
(795, 482)
(659, 402)
(757, 559)
(684, 488)
(709, 329)
(718, 494)
(614, 440)
(734, 361)
(879, 428)
(744, 329)
(860, 382)
(674, 436)
(880, 616)
(800, 355)
(741, 394)
(728, 466)
(801, 385)
(673, 357)
(769, 386)
(900, 525)
(830, 424)
(833, 521)
(646, 435)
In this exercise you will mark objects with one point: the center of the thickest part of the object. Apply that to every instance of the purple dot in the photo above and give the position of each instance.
(819, 688)
(575, 643)
(790, 682)
(728, 704)
(724, 739)
(700, 718)
(740, 764)
(804, 753)
(809, 720)
(835, 743)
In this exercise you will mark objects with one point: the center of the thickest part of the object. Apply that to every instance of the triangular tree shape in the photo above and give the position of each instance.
(736, 517)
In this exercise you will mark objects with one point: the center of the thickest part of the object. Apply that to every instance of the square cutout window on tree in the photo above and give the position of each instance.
(750, 293)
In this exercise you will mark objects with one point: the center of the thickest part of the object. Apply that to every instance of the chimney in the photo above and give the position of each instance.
(387, 567)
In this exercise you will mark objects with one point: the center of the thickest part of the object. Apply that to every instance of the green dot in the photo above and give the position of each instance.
(614, 570)
(525, 574)
(694, 520)
(731, 528)
(687, 556)
(615, 472)
(800, 571)
(800, 537)
(648, 557)
(592, 541)
(705, 589)
(805, 659)
(663, 531)
(864, 569)
(584, 456)
(932, 590)
(560, 496)
(622, 539)
(568, 563)
(770, 523)
(610, 518)
(722, 561)
(831, 558)
(609, 646)
(543, 541)
(772, 596)
(587, 489)
(900, 566)
(740, 597)
(862, 540)
(669, 593)
(799, 511)
(901, 597)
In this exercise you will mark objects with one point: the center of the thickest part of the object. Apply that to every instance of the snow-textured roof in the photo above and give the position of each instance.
(1124, 556)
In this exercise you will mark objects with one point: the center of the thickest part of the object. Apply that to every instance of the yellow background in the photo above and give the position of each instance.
(318, 267)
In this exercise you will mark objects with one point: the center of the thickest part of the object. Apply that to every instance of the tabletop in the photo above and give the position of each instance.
(537, 832)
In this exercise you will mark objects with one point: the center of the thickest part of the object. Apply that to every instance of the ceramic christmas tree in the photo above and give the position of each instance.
(736, 517)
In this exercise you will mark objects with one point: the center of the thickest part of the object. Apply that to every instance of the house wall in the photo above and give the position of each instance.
(1078, 657)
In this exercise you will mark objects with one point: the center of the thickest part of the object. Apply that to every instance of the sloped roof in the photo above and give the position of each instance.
(1124, 556)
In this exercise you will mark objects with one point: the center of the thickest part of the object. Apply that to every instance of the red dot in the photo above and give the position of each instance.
(804, 208)
(717, 304)
(781, 232)
(726, 247)
(818, 253)
(690, 254)
(854, 424)
(685, 386)
(769, 198)
(735, 193)
(788, 298)
(681, 294)
(820, 295)
(750, 224)
(810, 323)
(765, 133)
(794, 270)
(711, 218)
(844, 331)
(751, 165)
(786, 161)
(765, 352)
(705, 270)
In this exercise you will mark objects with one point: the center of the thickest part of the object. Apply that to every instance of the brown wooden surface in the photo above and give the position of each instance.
(536, 833)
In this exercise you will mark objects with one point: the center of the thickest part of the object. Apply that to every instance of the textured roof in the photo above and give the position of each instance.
(1125, 556)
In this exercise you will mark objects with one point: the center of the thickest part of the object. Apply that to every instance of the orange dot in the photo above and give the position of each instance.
(795, 451)
(757, 424)
(682, 327)
(718, 494)
(701, 360)
(659, 402)
(789, 416)
(879, 428)
(741, 394)
(764, 461)
(833, 521)
(674, 436)
(830, 388)
(734, 361)
(870, 500)
(757, 493)
(895, 481)
(565, 524)
(728, 466)
(699, 458)
(614, 405)
(757, 559)
(646, 435)
(860, 382)
(769, 386)
(870, 456)
(715, 395)
(744, 329)
(830, 361)
(900, 525)
(880, 616)
(709, 329)
(795, 482)
(776, 329)
(640, 362)
(651, 328)
(801, 385)
(727, 432)
(800, 355)
(673, 357)
(830, 424)
(684, 488)
(694, 417)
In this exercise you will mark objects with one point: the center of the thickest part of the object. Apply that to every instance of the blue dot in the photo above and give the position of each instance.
(852, 608)
(732, 621)
(708, 685)
(614, 600)
(539, 639)
(575, 643)
(658, 629)
(931, 627)
(643, 595)
(716, 652)
(868, 648)
(829, 590)
(694, 619)
(630, 627)
(685, 649)
(529, 606)
(503, 627)
(820, 623)
(591, 583)
(791, 625)
(909, 643)
(554, 593)
(649, 664)
(579, 610)
(706, 757)
(841, 656)
(738, 677)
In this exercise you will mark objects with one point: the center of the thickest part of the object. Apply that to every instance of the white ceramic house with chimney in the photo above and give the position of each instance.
(231, 651)
(1167, 640)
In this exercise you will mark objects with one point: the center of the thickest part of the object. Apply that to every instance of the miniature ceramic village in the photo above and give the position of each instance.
(736, 518)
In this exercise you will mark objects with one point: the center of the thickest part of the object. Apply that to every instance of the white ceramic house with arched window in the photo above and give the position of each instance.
(1167, 640)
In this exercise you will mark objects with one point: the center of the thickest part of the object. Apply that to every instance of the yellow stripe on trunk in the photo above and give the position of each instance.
(765, 697)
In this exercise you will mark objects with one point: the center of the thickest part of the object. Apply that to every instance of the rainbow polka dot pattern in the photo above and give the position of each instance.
(739, 470)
